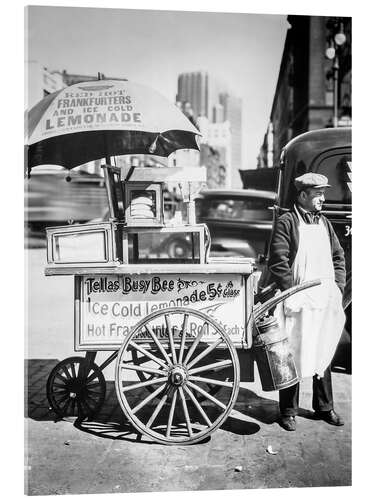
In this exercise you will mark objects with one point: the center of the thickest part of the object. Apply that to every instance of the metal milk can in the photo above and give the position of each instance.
(275, 362)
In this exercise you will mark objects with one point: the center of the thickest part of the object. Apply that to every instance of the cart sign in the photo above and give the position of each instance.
(110, 305)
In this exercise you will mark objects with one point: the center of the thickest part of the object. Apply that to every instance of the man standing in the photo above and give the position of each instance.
(305, 247)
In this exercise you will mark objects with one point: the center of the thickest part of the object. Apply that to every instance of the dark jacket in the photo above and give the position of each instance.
(283, 250)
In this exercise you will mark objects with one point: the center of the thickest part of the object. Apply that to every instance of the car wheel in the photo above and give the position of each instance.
(178, 249)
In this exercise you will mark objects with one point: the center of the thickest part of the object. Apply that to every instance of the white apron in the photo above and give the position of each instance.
(314, 318)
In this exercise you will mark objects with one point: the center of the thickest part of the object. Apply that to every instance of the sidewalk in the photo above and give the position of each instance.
(105, 455)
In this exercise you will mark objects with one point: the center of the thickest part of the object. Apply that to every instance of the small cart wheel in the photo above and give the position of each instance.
(75, 388)
(181, 353)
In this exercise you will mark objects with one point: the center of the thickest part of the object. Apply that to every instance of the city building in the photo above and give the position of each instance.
(232, 113)
(200, 90)
(314, 84)
(212, 159)
(208, 98)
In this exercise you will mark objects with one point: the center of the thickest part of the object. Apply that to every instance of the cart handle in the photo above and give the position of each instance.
(261, 309)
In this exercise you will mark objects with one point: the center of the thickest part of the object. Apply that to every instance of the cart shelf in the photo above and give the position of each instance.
(245, 268)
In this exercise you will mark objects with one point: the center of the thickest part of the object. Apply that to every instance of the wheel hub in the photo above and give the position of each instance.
(177, 375)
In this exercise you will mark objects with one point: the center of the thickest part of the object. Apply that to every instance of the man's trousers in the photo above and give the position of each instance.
(322, 396)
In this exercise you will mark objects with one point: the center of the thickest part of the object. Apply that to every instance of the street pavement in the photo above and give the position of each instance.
(105, 455)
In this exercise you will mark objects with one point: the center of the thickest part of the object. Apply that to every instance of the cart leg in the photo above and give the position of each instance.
(85, 367)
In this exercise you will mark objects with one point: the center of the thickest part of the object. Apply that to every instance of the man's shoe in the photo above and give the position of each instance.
(330, 417)
(288, 423)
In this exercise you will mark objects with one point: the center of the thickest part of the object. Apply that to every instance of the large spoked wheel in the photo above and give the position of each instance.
(76, 389)
(182, 354)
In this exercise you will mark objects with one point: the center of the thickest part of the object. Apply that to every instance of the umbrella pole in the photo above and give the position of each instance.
(110, 188)
(109, 180)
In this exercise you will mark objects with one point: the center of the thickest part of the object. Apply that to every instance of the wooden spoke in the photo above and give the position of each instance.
(198, 406)
(63, 397)
(195, 343)
(59, 376)
(62, 386)
(148, 399)
(157, 411)
(170, 336)
(59, 391)
(207, 395)
(65, 407)
(73, 370)
(186, 412)
(159, 345)
(211, 381)
(81, 410)
(183, 338)
(148, 354)
(204, 353)
(85, 403)
(91, 377)
(91, 398)
(171, 414)
(93, 385)
(66, 371)
(219, 365)
(74, 402)
(147, 383)
(144, 369)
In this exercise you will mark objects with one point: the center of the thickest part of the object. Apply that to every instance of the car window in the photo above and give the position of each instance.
(227, 208)
(338, 169)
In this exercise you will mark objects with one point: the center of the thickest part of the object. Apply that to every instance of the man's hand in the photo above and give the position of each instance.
(294, 304)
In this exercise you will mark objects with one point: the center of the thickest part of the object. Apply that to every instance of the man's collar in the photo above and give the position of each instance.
(301, 209)
(308, 217)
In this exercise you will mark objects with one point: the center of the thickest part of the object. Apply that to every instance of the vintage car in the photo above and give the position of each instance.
(239, 220)
(328, 152)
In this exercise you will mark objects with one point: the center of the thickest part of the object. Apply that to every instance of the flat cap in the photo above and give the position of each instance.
(311, 180)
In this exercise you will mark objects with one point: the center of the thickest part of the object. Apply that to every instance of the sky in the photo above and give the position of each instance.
(153, 47)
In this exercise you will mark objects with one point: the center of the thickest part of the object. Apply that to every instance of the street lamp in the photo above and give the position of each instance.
(335, 40)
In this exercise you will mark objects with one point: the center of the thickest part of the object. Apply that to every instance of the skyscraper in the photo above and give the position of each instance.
(210, 98)
(201, 90)
(232, 111)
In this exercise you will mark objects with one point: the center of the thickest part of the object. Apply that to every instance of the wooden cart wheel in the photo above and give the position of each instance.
(173, 350)
(74, 389)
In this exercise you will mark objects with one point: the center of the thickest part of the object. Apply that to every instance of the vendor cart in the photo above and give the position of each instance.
(173, 323)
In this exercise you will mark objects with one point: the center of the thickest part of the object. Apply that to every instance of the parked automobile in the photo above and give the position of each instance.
(239, 220)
